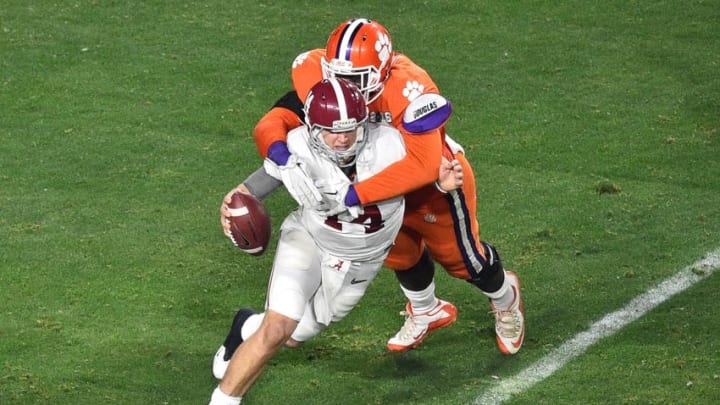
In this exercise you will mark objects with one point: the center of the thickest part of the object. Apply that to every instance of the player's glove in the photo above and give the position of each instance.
(297, 181)
(335, 198)
(286, 167)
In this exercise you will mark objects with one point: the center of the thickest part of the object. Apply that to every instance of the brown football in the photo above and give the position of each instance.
(249, 224)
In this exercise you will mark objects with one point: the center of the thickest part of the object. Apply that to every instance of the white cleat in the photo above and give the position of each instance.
(232, 342)
(417, 326)
(220, 365)
(510, 322)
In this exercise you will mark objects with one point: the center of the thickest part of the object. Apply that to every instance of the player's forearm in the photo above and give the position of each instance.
(418, 168)
(260, 183)
(273, 127)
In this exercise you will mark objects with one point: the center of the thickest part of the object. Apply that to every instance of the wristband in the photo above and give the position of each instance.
(351, 198)
(279, 153)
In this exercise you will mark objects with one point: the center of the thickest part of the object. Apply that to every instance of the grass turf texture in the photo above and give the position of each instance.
(593, 129)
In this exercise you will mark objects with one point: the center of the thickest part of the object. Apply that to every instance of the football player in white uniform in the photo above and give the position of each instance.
(323, 264)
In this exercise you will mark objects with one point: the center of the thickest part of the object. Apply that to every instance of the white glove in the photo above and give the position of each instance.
(297, 181)
(334, 192)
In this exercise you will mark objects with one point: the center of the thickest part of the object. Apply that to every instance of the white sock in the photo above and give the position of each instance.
(421, 301)
(221, 398)
(251, 325)
(503, 297)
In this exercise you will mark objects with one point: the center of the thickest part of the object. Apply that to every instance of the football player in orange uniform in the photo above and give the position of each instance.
(440, 226)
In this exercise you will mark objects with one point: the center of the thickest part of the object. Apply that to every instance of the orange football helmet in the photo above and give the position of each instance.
(359, 50)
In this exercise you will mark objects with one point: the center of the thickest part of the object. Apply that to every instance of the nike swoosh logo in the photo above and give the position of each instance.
(356, 281)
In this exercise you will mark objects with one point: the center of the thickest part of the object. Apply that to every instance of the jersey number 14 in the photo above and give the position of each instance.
(370, 219)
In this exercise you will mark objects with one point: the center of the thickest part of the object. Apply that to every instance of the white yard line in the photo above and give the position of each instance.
(611, 323)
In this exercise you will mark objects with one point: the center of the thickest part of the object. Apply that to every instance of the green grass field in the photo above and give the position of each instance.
(593, 128)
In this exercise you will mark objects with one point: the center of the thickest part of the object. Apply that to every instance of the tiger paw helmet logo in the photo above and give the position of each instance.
(300, 59)
(413, 90)
(383, 48)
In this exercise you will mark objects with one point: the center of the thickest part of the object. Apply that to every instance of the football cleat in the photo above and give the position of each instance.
(510, 322)
(418, 326)
(232, 342)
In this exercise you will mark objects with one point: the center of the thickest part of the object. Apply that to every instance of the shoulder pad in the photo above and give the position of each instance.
(428, 112)
(306, 71)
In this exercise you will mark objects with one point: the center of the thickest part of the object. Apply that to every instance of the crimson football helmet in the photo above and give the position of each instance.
(359, 50)
(336, 105)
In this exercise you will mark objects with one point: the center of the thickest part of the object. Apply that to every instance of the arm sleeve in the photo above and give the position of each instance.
(286, 114)
(261, 184)
(418, 168)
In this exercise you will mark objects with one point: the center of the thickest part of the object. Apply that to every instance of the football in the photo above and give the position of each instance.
(249, 224)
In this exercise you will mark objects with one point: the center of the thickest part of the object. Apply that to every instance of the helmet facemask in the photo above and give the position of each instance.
(342, 158)
(367, 78)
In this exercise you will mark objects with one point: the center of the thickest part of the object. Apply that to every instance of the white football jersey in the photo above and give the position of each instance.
(372, 233)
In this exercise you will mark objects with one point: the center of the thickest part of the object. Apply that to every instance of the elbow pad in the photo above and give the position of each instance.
(426, 113)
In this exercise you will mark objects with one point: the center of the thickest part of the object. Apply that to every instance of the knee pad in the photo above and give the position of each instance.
(492, 276)
(419, 276)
